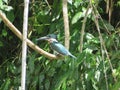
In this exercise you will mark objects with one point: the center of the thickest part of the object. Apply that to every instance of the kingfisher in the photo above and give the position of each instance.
(56, 46)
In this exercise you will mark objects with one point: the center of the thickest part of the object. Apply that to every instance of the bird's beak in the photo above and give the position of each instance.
(42, 38)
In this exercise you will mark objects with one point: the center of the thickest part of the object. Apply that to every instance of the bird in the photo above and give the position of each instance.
(55, 45)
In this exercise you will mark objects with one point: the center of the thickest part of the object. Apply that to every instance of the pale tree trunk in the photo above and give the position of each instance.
(66, 23)
(24, 44)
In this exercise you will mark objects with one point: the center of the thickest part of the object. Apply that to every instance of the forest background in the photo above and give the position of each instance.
(94, 28)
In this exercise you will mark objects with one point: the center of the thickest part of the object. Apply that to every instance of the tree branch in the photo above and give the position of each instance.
(96, 15)
(83, 28)
(29, 43)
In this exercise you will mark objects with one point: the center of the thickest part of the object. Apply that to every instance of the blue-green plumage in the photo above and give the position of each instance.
(56, 46)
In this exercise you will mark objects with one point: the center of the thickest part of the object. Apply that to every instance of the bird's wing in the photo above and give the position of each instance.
(58, 47)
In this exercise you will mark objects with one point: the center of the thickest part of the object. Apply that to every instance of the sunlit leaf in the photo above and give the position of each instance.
(6, 8)
(70, 1)
(76, 17)
(80, 14)
(1, 3)
(6, 1)
(77, 3)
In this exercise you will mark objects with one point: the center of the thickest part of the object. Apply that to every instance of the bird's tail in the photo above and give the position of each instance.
(72, 56)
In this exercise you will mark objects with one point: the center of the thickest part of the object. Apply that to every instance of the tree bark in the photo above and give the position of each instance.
(66, 24)
(24, 44)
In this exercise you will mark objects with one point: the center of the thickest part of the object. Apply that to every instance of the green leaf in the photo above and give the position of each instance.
(6, 84)
(80, 14)
(77, 3)
(89, 36)
(10, 16)
(6, 8)
(105, 24)
(31, 64)
(70, 2)
(1, 43)
(41, 78)
(61, 79)
(12, 68)
(76, 17)
(4, 32)
(47, 84)
(1, 3)
(6, 1)
(116, 86)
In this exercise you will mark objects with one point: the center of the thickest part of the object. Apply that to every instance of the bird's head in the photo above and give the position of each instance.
(50, 38)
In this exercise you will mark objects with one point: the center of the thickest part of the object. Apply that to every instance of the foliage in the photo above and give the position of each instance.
(90, 71)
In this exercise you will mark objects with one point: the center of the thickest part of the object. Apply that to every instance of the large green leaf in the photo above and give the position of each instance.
(106, 25)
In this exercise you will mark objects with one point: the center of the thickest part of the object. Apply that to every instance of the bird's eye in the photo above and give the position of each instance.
(48, 35)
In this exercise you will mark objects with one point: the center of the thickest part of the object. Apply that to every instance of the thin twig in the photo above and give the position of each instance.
(48, 4)
(104, 24)
(101, 44)
(95, 13)
(83, 28)
(107, 6)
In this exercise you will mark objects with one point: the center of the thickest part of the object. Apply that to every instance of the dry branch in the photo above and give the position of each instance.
(83, 28)
(29, 43)
(96, 14)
